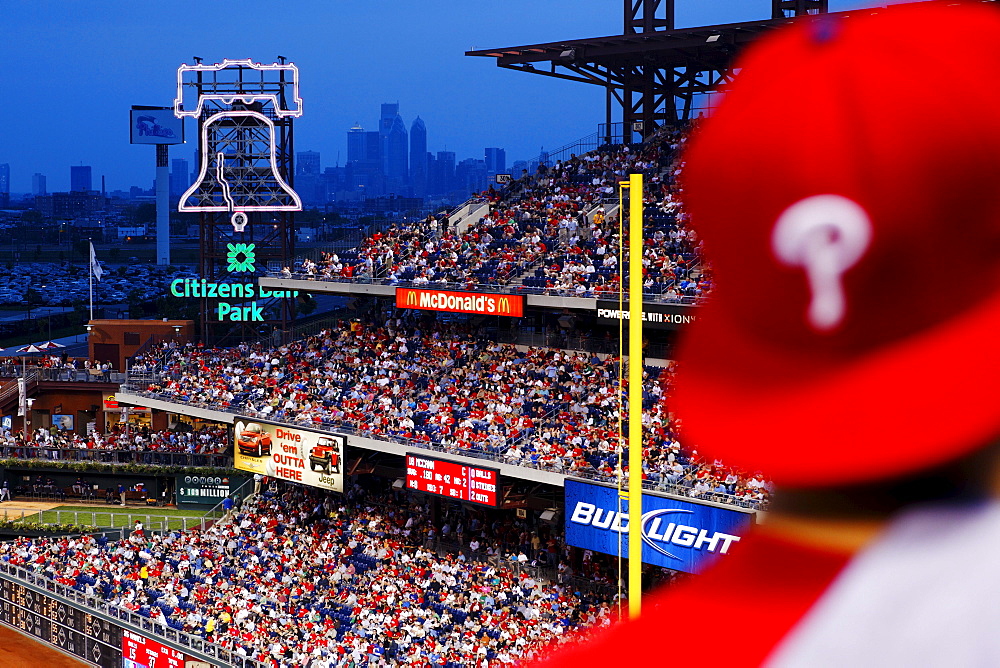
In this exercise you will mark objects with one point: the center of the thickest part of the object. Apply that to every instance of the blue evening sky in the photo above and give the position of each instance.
(74, 67)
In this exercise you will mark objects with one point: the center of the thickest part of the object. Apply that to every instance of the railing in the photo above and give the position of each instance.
(35, 374)
(496, 454)
(113, 520)
(504, 288)
(586, 343)
(576, 147)
(37, 451)
(680, 490)
(218, 511)
(194, 644)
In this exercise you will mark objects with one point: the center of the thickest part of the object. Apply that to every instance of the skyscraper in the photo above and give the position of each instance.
(356, 143)
(397, 165)
(470, 175)
(179, 175)
(80, 178)
(364, 170)
(38, 186)
(389, 112)
(496, 161)
(418, 157)
(442, 177)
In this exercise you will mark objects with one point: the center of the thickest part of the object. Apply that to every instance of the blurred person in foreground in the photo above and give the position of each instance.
(848, 192)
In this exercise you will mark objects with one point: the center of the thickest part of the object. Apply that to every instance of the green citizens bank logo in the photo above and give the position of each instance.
(240, 259)
(234, 254)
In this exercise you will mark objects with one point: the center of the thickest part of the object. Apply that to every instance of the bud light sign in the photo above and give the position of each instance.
(680, 535)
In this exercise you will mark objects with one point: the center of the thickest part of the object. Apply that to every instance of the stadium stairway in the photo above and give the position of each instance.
(470, 212)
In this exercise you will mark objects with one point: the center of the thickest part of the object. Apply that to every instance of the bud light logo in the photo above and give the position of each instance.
(672, 532)
(677, 534)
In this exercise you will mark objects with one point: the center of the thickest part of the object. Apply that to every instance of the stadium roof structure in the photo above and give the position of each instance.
(654, 71)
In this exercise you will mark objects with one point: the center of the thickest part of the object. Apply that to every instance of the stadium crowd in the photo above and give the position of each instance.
(554, 222)
(443, 387)
(206, 440)
(305, 578)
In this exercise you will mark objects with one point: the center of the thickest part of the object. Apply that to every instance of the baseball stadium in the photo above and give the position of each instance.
(670, 384)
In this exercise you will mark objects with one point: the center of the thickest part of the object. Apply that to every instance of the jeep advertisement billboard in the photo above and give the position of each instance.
(298, 455)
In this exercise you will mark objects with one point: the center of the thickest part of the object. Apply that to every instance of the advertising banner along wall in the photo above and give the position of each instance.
(680, 535)
(460, 302)
(655, 316)
(298, 455)
(193, 490)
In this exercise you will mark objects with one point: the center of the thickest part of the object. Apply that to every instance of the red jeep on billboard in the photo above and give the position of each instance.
(325, 455)
(253, 441)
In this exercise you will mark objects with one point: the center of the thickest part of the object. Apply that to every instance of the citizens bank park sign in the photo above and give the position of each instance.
(460, 302)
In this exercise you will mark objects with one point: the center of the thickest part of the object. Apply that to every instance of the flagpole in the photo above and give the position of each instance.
(90, 277)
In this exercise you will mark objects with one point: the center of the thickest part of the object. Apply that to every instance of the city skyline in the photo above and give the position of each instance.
(351, 58)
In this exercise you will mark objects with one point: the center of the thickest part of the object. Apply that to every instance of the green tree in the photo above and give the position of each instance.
(144, 214)
(32, 217)
(134, 300)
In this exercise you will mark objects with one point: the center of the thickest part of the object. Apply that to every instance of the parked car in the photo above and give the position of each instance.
(253, 441)
(325, 456)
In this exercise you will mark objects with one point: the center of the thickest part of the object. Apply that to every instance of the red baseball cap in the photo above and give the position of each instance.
(847, 189)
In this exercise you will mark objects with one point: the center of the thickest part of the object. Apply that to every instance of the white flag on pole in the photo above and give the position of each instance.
(95, 266)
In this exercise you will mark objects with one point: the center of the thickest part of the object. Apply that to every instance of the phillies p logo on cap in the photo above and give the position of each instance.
(850, 212)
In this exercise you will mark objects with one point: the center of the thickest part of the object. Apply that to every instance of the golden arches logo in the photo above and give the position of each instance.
(504, 305)
(411, 298)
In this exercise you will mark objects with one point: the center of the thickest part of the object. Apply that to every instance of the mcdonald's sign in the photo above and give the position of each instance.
(460, 302)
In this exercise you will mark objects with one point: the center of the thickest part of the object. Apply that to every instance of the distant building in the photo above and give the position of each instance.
(442, 174)
(307, 162)
(397, 164)
(4, 185)
(38, 185)
(179, 178)
(418, 157)
(356, 144)
(308, 182)
(389, 112)
(67, 206)
(80, 178)
(470, 175)
(131, 232)
(364, 172)
(496, 161)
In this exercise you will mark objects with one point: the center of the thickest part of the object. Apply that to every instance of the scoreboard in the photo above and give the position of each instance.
(139, 651)
(95, 640)
(452, 480)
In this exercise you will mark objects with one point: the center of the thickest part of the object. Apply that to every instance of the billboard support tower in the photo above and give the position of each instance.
(158, 126)
(653, 72)
(244, 190)
(162, 206)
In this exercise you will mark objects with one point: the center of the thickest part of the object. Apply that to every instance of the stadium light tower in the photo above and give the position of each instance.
(653, 71)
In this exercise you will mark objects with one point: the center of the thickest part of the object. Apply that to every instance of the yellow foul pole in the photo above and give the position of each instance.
(635, 396)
